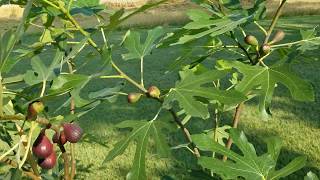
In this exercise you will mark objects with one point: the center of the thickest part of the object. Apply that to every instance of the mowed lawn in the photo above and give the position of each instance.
(297, 123)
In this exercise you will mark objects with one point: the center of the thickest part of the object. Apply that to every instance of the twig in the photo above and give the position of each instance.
(66, 162)
(274, 21)
(185, 132)
(72, 145)
(236, 119)
(1, 97)
(125, 76)
(141, 71)
(261, 28)
(241, 47)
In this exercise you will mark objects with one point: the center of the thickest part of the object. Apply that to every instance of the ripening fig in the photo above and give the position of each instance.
(278, 37)
(59, 138)
(48, 162)
(251, 40)
(34, 109)
(42, 147)
(266, 49)
(73, 132)
(133, 97)
(154, 92)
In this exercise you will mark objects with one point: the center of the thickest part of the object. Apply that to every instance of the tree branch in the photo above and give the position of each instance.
(236, 119)
(185, 132)
(274, 21)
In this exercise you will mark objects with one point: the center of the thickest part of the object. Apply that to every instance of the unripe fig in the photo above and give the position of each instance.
(48, 162)
(34, 109)
(42, 147)
(278, 37)
(133, 97)
(266, 49)
(73, 132)
(154, 92)
(59, 138)
(251, 40)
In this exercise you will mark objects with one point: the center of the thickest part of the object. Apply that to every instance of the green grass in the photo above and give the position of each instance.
(296, 123)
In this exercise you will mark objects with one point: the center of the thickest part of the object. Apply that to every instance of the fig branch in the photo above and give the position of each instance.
(72, 111)
(236, 119)
(274, 21)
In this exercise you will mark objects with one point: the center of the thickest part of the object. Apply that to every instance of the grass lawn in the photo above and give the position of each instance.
(296, 123)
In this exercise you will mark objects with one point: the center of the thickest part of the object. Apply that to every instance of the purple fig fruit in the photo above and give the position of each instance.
(42, 147)
(48, 162)
(73, 132)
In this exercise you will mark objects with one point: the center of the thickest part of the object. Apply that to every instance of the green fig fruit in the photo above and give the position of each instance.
(278, 37)
(154, 92)
(34, 109)
(251, 40)
(266, 49)
(133, 97)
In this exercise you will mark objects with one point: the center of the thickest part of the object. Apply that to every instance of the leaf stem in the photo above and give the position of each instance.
(44, 83)
(274, 21)
(261, 28)
(295, 42)
(141, 71)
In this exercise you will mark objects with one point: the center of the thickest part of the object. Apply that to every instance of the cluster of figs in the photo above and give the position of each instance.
(43, 148)
(265, 48)
(153, 92)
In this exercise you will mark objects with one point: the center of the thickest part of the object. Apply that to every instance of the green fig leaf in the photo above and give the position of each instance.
(190, 87)
(246, 164)
(141, 132)
(266, 79)
(138, 50)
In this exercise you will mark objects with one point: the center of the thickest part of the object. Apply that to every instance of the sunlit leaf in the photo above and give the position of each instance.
(191, 86)
(138, 49)
(246, 164)
(266, 78)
